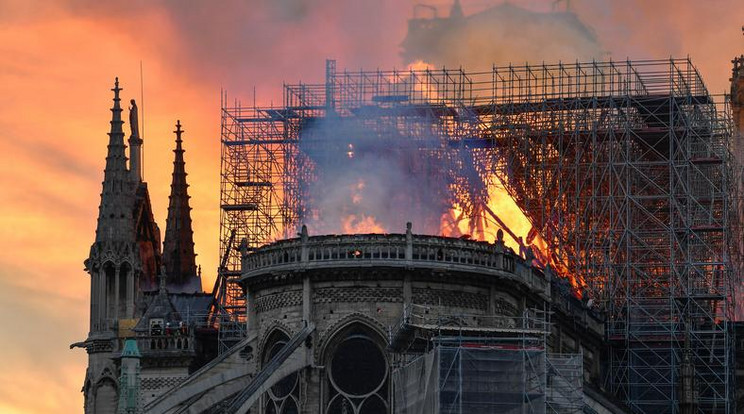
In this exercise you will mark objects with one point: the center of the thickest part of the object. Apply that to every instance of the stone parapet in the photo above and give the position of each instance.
(393, 251)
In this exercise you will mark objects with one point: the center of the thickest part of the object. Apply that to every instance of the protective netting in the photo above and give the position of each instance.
(480, 380)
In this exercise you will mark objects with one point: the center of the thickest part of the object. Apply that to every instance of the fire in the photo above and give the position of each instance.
(419, 65)
(423, 87)
(502, 213)
(481, 217)
(360, 223)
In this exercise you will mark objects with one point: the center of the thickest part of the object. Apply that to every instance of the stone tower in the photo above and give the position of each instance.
(122, 263)
(178, 248)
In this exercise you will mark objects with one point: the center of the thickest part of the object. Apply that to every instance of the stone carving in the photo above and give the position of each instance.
(358, 294)
(449, 298)
(133, 119)
(278, 300)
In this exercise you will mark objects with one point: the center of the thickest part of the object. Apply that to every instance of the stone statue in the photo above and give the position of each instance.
(133, 119)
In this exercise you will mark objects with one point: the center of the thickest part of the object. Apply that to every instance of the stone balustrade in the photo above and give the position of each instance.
(392, 250)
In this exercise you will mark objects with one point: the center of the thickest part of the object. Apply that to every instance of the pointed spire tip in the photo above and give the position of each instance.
(178, 130)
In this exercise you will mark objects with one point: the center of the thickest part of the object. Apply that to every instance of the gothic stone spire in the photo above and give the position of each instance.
(114, 213)
(178, 247)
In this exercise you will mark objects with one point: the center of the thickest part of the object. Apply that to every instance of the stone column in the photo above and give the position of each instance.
(102, 302)
(130, 294)
(93, 304)
(407, 290)
(492, 300)
(307, 298)
(250, 306)
(117, 276)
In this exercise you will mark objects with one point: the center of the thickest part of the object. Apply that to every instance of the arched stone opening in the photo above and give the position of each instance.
(106, 398)
(109, 288)
(125, 273)
(283, 397)
(357, 379)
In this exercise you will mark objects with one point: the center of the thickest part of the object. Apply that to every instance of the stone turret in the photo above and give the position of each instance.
(129, 380)
(121, 263)
(114, 265)
(178, 248)
(113, 258)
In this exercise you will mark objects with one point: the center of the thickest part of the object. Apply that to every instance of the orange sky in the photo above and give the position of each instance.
(57, 64)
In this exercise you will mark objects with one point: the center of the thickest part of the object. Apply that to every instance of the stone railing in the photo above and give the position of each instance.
(392, 250)
(165, 343)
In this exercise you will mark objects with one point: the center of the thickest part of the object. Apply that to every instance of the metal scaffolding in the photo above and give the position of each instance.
(484, 364)
(623, 168)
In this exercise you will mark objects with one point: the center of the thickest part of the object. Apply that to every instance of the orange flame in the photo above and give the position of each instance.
(360, 223)
(503, 213)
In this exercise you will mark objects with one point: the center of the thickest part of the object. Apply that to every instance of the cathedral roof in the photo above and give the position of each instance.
(159, 307)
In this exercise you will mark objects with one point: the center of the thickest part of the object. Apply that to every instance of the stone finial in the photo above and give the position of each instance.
(116, 88)
(303, 234)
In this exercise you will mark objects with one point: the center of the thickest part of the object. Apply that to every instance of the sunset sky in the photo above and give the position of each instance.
(58, 60)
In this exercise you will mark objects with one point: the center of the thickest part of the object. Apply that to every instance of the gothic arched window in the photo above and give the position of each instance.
(283, 396)
(357, 373)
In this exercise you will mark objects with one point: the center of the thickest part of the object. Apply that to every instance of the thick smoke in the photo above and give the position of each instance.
(372, 178)
(500, 35)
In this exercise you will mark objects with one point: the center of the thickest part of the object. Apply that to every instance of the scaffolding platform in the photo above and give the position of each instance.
(482, 369)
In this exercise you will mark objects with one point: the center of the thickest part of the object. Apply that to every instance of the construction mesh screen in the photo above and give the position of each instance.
(456, 380)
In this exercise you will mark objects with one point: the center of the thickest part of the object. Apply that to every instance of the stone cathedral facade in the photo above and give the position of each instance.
(132, 276)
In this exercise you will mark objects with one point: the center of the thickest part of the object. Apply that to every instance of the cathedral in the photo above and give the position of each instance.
(132, 276)
(388, 323)
(335, 323)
